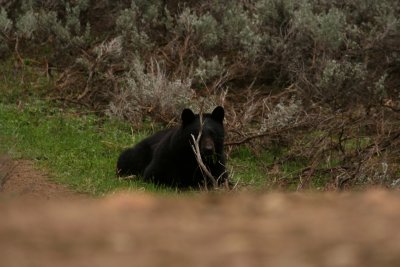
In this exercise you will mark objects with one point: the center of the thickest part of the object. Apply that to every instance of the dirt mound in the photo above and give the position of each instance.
(237, 230)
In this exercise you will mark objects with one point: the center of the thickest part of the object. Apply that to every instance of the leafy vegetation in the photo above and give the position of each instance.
(311, 88)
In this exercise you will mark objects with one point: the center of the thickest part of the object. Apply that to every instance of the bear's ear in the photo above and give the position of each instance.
(187, 116)
(218, 114)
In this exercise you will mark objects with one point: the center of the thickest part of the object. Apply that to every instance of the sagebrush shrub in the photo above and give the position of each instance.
(282, 115)
(325, 28)
(128, 26)
(149, 91)
(5, 30)
(207, 29)
(209, 70)
(339, 82)
(5, 23)
(328, 49)
(240, 30)
(38, 23)
(27, 24)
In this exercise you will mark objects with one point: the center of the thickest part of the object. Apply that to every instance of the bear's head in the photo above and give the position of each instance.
(212, 131)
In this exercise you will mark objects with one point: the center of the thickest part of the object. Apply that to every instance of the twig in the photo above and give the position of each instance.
(77, 102)
(247, 139)
(21, 61)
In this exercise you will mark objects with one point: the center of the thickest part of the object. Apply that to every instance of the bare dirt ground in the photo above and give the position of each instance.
(19, 179)
(54, 228)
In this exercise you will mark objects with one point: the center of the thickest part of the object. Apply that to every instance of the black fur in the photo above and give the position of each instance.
(167, 157)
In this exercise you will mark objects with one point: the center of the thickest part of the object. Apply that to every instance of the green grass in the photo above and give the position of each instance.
(247, 169)
(77, 149)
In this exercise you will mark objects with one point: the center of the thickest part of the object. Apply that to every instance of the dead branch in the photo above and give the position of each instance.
(263, 134)
(196, 151)
(17, 54)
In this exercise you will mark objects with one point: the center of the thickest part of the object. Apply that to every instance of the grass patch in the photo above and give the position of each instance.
(246, 168)
(80, 150)
(77, 148)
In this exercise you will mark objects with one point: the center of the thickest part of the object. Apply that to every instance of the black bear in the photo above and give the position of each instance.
(167, 157)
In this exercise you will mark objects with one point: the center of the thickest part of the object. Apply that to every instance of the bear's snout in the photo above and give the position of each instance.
(207, 146)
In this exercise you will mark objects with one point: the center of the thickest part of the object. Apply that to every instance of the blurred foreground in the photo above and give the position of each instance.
(275, 229)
